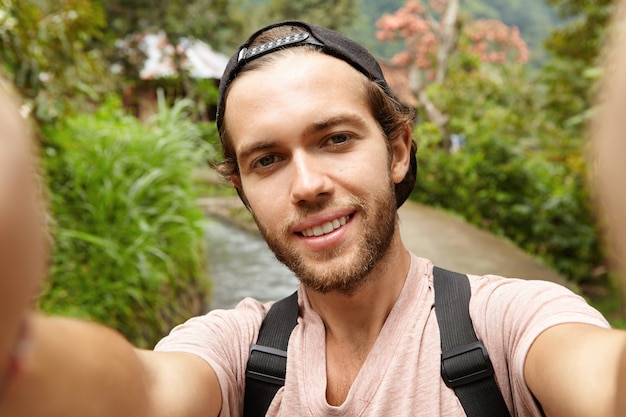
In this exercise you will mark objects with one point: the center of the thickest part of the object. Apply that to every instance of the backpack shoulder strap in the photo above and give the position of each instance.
(267, 362)
(465, 363)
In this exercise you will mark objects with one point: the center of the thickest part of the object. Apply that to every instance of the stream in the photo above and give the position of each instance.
(241, 265)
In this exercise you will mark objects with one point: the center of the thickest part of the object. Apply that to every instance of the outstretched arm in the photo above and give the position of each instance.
(83, 369)
(73, 368)
(573, 370)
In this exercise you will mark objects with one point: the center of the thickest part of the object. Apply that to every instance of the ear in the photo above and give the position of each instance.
(236, 180)
(401, 153)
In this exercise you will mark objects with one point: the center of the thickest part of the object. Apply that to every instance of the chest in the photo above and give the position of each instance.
(343, 364)
(399, 372)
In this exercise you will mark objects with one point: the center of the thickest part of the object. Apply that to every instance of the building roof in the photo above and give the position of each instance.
(202, 61)
(161, 56)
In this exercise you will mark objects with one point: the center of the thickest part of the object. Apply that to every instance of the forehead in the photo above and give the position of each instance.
(292, 86)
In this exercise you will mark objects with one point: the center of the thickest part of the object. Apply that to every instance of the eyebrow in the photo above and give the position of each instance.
(313, 128)
(339, 119)
(246, 151)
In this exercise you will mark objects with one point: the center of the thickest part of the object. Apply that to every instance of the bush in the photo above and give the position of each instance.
(495, 183)
(519, 175)
(127, 231)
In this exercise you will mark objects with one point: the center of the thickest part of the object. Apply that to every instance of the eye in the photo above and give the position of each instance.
(339, 139)
(265, 161)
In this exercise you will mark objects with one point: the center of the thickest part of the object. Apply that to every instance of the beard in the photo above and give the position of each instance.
(343, 269)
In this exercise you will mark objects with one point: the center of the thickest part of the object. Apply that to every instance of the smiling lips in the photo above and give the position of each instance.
(325, 228)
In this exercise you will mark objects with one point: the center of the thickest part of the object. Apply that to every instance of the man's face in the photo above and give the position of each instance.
(22, 242)
(315, 168)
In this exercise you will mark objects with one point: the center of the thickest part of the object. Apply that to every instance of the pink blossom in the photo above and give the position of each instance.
(490, 40)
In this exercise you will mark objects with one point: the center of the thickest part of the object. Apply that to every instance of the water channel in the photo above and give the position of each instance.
(241, 265)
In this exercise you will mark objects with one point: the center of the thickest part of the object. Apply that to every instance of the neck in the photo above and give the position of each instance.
(364, 311)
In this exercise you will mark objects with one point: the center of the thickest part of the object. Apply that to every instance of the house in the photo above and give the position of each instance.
(180, 69)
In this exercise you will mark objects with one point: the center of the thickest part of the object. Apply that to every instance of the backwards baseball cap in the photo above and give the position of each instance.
(328, 42)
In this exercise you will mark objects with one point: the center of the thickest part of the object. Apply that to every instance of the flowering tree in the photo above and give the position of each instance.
(433, 33)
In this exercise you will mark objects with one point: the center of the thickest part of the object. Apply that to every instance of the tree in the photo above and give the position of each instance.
(575, 49)
(534, 18)
(44, 50)
(220, 23)
(334, 14)
(217, 22)
(433, 33)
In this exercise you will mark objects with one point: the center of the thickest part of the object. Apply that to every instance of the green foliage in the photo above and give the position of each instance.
(509, 178)
(44, 49)
(575, 48)
(127, 230)
(220, 23)
(201, 91)
(333, 14)
(540, 205)
(583, 34)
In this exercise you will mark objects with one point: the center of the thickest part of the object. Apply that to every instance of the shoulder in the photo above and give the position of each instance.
(518, 302)
(495, 290)
(217, 327)
(510, 314)
(222, 339)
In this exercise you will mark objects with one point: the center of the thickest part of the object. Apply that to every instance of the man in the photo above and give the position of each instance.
(320, 152)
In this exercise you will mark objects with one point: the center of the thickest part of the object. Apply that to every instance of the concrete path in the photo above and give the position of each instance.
(452, 243)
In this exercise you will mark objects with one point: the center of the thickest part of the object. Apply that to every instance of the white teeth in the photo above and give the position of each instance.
(325, 228)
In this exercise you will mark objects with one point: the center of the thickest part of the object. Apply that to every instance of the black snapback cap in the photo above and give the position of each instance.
(329, 41)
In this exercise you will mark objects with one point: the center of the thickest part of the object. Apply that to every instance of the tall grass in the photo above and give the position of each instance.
(128, 239)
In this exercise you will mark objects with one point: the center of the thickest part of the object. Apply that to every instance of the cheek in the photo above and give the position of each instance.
(266, 203)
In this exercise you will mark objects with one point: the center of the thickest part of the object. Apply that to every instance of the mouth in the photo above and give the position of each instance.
(325, 228)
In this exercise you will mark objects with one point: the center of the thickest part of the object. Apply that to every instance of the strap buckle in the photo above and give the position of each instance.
(464, 365)
(259, 375)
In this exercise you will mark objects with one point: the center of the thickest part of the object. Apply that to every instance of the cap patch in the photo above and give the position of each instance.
(301, 37)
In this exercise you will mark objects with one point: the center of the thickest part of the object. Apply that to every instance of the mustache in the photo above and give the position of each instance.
(309, 209)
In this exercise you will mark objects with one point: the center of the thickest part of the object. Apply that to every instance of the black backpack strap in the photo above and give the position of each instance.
(465, 363)
(267, 363)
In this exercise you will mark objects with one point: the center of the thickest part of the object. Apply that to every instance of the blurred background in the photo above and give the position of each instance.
(121, 98)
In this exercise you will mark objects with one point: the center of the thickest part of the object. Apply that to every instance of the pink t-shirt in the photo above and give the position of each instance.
(401, 375)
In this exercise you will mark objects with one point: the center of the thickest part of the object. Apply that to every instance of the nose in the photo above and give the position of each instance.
(310, 179)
